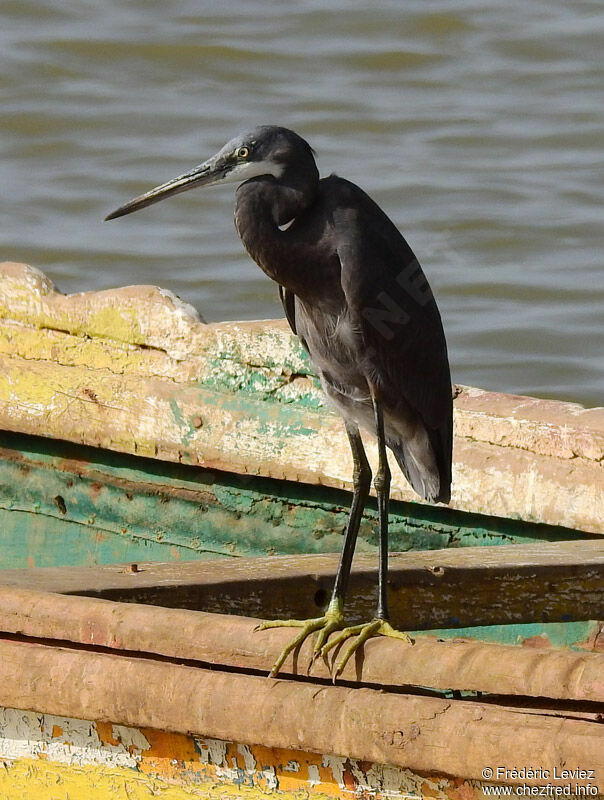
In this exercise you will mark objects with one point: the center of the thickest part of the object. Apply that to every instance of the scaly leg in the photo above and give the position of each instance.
(333, 618)
(380, 626)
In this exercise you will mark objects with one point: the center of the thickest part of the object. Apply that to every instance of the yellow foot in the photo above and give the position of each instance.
(332, 620)
(377, 627)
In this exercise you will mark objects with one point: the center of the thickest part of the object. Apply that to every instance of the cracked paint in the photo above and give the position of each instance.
(544, 458)
(56, 758)
(64, 740)
(39, 740)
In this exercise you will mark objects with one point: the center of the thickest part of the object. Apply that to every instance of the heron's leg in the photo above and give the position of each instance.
(380, 626)
(361, 481)
(382, 489)
(333, 618)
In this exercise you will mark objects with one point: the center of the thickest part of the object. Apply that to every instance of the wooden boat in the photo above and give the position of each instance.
(164, 483)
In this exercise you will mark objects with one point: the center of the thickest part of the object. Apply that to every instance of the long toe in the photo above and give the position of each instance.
(377, 627)
(331, 621)
(308, 626)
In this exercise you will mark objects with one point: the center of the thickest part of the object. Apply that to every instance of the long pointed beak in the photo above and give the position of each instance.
(211, 171)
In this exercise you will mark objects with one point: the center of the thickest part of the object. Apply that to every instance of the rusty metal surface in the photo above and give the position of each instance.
(230, 641)
(420, 733)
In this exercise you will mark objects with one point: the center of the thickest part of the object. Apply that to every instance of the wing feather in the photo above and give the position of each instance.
(391, 303)
(288, 300)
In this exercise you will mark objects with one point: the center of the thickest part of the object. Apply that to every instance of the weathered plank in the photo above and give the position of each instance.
(70, 505)
(435, 589)
(136, 371)
(233, 642)
(411, 731)
(49, 757)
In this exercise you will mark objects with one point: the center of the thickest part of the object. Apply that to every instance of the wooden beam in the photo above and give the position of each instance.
(135, 370)
(232, 641)
(63, 504)
(543, 582)
(425, 734)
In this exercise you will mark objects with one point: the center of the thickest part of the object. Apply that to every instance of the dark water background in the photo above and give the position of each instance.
(477, 125)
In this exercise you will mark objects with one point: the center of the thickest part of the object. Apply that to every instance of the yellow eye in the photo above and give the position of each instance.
(243, 152)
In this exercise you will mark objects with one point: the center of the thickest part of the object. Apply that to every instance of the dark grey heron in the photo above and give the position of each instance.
(356, 296)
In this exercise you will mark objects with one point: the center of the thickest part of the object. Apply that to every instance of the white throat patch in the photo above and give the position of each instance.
(254, 169)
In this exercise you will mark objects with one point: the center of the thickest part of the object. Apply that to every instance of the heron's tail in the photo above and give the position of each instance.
(426, 463)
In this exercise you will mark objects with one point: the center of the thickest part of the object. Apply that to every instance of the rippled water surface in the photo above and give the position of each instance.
(478, 126)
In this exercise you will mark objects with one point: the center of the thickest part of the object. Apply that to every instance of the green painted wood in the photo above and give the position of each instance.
(28, 540)
(65, 504)
(572, 635)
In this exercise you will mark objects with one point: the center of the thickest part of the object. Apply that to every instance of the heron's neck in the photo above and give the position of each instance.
(262, 206)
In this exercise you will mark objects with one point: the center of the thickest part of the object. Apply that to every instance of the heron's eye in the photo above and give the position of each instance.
(243, 152)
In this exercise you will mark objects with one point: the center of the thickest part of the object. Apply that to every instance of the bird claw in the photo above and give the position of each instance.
(331, 621)
(363, 632)
(326, 625)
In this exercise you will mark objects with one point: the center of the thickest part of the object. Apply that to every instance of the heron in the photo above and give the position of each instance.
(355, 295)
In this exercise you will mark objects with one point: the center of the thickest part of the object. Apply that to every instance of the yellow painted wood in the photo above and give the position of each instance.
(48, 757)
(55, 758)
(35, 778)
(135, 370)
(29, 778)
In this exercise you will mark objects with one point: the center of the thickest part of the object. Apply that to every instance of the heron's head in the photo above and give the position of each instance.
(268, 150)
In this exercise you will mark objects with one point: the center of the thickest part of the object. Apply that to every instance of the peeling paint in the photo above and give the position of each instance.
(68, 741)
(314, 779)
(515, 457)
(56, 758)
(248, 758)
(143, 508)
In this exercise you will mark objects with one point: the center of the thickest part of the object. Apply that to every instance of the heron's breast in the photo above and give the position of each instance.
(335, 347)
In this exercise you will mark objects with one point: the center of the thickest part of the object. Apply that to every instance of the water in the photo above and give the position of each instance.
(478, 126)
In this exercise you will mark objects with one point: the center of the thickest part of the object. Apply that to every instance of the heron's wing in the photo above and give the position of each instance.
(391, 305)
(288, 300)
